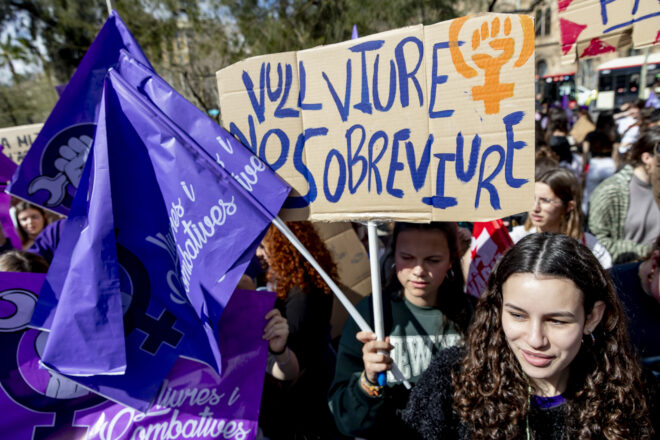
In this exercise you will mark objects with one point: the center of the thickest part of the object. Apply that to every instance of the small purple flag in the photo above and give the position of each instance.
(193, 403)
(180, 223)
(51, 170)
(354, 34)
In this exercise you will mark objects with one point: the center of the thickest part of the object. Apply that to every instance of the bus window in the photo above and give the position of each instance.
(634, 83)
(620, 85)
(605, 83)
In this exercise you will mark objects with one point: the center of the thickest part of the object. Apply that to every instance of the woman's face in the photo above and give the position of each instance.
(422, 259)
(543, 320)
(31, 221)
(548, 209)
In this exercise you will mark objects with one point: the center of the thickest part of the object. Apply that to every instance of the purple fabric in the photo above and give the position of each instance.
(165, 202)
(239, 161)
(7, 167)
(48, 239)
(5, 220)
(548, 402)
(354, 34)
(51, 170)
(193, 403)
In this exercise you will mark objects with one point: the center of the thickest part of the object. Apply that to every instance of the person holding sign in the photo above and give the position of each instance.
(557, 209)
(547, 357)
(424, 309)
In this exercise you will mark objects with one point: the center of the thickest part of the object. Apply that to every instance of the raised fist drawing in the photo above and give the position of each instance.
(72, 158)
(497, 36)
(70, 165)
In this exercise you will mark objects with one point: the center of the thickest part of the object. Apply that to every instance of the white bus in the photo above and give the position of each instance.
(618, 80)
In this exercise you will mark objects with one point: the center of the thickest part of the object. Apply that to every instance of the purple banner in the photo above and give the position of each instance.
(194, 403)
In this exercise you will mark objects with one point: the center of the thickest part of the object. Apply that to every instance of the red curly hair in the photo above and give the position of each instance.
(288, 268)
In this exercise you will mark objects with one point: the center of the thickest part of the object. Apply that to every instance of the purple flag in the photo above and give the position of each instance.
(193, 402)
(354, 34)
(7, 167)
(51, 170)
(5, 219)
(180, 222)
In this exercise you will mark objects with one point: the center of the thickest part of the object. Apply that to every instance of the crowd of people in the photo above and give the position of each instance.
(564, 343)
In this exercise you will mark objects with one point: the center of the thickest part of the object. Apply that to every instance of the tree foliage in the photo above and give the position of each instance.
(268, 26)
(187, 41)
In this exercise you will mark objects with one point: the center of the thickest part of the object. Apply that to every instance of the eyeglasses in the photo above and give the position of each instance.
(544, 201)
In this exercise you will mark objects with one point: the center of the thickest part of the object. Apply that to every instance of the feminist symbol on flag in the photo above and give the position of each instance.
(62, 163)
(34, 388)
(136, 291)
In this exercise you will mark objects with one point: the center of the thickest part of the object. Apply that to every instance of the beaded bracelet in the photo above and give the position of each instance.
(372, 390)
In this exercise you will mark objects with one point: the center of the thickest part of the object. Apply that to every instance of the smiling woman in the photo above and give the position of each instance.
(547, 357)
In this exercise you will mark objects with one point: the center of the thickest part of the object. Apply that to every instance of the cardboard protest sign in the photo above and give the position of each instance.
(593, 27)
(420, 123)
(193, 403)
(18, 140)
(353, 268)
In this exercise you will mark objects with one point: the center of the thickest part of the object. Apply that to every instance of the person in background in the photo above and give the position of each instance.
(298, 408)
(5, 244)
(424, 310)
(547, 357)
(22, 261)
(600, 164)
(545, 160)
(622, 212)
(557, 209)
(638, 287)
(557, 140)
(31, 220)
(282, 363)
(628, 126)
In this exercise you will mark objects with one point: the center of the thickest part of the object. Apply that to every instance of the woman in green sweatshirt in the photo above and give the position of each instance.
(424, 310)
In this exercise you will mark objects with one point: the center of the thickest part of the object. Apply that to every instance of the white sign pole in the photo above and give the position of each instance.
(376, 291)
(359, 320)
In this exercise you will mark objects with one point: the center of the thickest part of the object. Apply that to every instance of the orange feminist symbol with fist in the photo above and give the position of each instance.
(492, 92)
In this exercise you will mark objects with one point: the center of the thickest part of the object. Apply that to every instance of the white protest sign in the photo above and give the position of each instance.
(421, 123)
(18, 140)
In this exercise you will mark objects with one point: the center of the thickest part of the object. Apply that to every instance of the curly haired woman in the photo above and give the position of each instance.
(298, 409)
(547, 357)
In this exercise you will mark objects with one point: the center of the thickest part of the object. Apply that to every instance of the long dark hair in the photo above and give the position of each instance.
(605, 395)
(452, 301)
